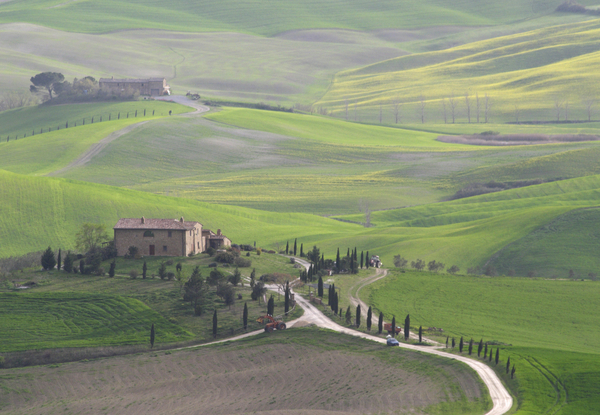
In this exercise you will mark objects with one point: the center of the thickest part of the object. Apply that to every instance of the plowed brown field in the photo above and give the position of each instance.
(300, 371)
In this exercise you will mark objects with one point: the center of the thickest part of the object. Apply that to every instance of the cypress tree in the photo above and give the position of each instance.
(111, 271)
(461, 344)
(329, 297)
(48, 260)
(271, 306)
(470, 347)
(453, 342)
(144, 112)
(407, 327)
(362, 259)
(295, 241)
(358, 316)
(369, 318)
(420, 334)
(508, 365)
(144, 270)
(153, 112)
(301, 250)
(215, 324)
(352, 264)
(287, 298)
(367, 260)
(287, 244)
(447, 338)
(152, 334)
(393, 326)
(491, 353)
(320, 287)
(380, 323)
(322, 261)
(512, 372)
(497, 355)
(336, 306)
(348, 315)
(59, 260)
(337, 261)
(348, 253)
(480, 348)
(485, 351)
(245, 316)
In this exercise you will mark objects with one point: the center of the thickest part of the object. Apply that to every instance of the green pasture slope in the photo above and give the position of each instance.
(266, 17)
(526, 71)
(548, 328)
(43, 320)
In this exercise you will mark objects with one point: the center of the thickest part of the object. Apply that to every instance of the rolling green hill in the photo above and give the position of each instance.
(266, 17)
(523, 74)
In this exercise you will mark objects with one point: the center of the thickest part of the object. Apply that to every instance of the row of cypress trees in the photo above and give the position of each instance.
(481, 347)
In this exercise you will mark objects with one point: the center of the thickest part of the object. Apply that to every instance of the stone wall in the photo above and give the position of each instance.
(179, 243)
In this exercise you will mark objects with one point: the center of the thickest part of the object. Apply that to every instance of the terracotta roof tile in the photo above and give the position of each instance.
(171, 224)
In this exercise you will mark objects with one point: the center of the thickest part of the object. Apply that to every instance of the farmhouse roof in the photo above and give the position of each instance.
(112, 80)
(146, 223)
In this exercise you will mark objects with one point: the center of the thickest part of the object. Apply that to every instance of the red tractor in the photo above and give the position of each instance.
(388, 327)
(271, 323)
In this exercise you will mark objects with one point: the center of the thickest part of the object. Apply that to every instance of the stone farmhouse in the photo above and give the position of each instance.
(147, 86)
(165, 237)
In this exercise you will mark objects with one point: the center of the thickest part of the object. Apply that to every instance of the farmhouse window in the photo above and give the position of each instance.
(164, 248)
(170, 234)
(148, 234)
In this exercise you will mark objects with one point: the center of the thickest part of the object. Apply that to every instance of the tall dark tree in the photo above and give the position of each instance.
(348, 253)
(480, 348)
(358, 316)
(48, 260)
(144, 270)
(329, 297)
(380, 323)
(111, 271)
(152, 335)
(362, 259)
(287, 297)
(336, 306)
(338, 263)
(194, 291)
(59, 260)
(369, 318)
(245, 316)
(367, 260)
(295, 244)
(348, 315)
(497, 355)
(253, 278)
(453, 342)
(407, 327)
(215, 324)
(287, 247)
(68, 265)
(461, 344)
(447, 338)
(301, 250)
(420, 334)
(47, 80)
(470, 347)
(491, 354)
(507, 365)
(271, 306)
(320, 287)
(394, 326)
(512, 372)
(485, 351)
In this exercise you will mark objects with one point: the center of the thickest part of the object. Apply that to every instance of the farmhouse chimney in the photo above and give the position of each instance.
(143, 219)
(181, 220)
(218, 232)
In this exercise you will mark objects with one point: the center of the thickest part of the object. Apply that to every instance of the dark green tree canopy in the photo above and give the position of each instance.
(48, 80)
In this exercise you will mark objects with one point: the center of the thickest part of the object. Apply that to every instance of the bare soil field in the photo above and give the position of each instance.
(300, 371)
(515, 139)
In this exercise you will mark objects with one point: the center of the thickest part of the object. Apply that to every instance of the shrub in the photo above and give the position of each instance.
(225, 257)
(210, 251)
(453, 269)
(133, 274)
(162, 271)
(99, 271)
(212, 265)
(258, 251)
(132, 252)
(292, 260)
(247, 253)
(242, 262)
(170, 275)
(170, 262)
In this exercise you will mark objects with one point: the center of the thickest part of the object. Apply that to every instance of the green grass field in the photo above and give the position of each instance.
(546, 327)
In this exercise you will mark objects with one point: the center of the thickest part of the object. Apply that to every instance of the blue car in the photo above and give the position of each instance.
(392, 342)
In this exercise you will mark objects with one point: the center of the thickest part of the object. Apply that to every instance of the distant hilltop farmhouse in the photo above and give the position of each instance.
(147, 86)
(165, 237)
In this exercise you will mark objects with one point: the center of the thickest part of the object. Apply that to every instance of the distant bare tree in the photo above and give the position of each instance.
(12, 100)
(452, 102)
(396, 106)
(468, 104)
(558, 103)
(477, 105)
(422, 104)
(445, 110)
(517, 113)
(486, 106)
(589, 103)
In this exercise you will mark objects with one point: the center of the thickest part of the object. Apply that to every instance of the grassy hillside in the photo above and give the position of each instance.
(265, 17)
(530, 70)
(544, 326)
